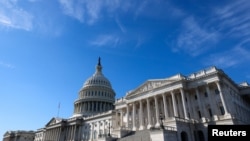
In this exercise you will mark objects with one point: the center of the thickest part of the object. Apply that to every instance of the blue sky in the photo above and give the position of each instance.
(49, 48)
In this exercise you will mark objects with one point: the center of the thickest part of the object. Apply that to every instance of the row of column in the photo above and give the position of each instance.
(189, 104)
(94, 132)
(92, 106)
(70, 133)
(53, 134)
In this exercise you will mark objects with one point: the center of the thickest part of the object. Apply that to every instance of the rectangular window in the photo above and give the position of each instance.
(199, 113)
(210, 112)
(205, 94)
(222, 110)
(216, 91)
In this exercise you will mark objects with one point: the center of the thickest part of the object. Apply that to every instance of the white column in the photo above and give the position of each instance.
(157, 113)
(174, 104)
(73, 133)
(190, 107)
(83, 108)
(59, 133)
(184, 104)
(105, 106)
(100, 106)
(221, 97)
(201, 108)
(170, 104)
(95, 106)
(91, 131)
(121, 122)
(116, 119)
(99, 128)
(212, 103)
(134, 127)
(92, 106)
(127, 124)
(140, 116)
(104, 127)
(88, 106)
(149, 114)
(165, 106)
(178, 105)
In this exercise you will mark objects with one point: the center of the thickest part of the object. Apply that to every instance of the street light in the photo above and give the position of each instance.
(161, 118)
(109, 129)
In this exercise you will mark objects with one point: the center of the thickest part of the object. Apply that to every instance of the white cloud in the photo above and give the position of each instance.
(89, 11)
(233, 20)
(106, 40)
(194, 39)
(13, 16)
(229, 58)
(230, 21)
(6, 65)
(121, 26)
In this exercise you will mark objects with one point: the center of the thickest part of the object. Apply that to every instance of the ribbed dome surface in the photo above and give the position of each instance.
(98, 79)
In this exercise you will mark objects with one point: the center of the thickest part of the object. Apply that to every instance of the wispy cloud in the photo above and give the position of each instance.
(225, 22)
(233, 23)
(194, 39)
(234, 18)
(13, 16)
(6, 65)
(89, 11)
(106, 40)
(229, 58)
(121, 26)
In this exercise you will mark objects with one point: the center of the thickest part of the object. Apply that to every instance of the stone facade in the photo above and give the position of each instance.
(19, 136)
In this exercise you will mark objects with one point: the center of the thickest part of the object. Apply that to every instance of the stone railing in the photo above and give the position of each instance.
(202, 73)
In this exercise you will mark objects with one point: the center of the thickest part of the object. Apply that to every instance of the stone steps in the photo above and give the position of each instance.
(142, 135)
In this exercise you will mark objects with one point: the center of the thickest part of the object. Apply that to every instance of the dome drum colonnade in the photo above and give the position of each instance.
(96, 95)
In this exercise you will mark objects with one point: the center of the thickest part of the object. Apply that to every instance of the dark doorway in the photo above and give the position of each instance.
(201, 136)
(184, 136)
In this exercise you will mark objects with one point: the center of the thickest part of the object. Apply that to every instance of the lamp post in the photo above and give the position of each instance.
(161, 118)
(109, 129)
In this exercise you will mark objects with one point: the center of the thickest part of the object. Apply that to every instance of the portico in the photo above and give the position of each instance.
(140, 109)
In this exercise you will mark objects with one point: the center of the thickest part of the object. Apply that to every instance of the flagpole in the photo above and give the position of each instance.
(58, 110)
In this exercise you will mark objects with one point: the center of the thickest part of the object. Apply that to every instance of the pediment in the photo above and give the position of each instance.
(53, 121)
(154, 83)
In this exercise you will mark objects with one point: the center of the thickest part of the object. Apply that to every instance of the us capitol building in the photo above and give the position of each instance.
(176, 108)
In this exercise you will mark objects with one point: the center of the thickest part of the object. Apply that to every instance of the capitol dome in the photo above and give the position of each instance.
(95, 96)
(98, 79)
